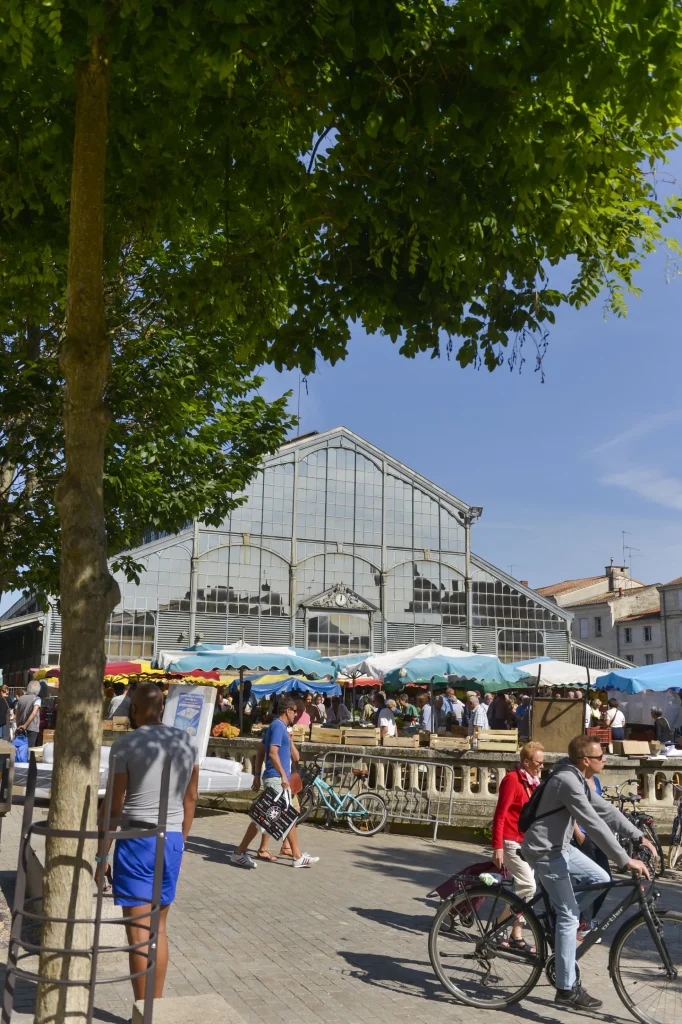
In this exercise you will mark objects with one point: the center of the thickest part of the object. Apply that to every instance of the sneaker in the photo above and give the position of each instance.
(584, 931)
(304, 861)
(242, 860)
(576, 997)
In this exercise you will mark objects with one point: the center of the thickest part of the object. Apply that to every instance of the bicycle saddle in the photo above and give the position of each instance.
(361, 773)
(633, 797)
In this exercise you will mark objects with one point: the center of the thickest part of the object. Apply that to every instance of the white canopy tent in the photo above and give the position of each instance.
(561, 673)
(376, 666)
(166, 658)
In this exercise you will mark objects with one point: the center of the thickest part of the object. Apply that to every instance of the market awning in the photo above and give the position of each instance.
(666, 676)
(268, 685)
(560, 673)
(481, 668)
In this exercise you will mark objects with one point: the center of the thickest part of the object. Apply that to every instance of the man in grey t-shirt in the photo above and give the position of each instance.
(137, 761)
(27, 712)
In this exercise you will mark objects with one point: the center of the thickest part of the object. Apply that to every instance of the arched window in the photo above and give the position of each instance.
(242, 580)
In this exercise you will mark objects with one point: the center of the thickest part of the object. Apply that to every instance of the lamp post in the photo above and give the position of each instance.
(466, 518)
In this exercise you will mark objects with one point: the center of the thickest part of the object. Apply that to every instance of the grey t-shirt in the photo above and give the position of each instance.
(24, 707)
(142, 754)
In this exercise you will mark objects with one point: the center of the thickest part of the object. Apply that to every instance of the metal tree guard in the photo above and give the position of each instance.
(19, 949)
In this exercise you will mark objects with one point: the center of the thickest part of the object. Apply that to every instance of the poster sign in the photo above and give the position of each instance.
(188, 713)
(191, 708)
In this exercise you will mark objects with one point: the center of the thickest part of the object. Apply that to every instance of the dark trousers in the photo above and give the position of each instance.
(591, 850)
(32, 738)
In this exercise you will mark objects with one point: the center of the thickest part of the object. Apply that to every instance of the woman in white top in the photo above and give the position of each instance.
(615, 720)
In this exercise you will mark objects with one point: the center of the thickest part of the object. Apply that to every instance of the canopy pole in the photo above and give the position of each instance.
(532, 703)
(433, 706)
(241, 700)
(587, 702)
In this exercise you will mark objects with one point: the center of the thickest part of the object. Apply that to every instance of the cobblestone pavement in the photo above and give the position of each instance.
(343, 941)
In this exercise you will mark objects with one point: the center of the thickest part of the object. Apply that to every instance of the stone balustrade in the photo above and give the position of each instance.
(410, 779)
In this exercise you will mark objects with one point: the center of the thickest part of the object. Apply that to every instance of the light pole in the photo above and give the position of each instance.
(466, 518)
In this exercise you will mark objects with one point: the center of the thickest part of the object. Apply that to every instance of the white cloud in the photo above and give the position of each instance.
(650, 484)
(642, 429)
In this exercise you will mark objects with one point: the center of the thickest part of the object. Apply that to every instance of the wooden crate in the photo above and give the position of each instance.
(120, 724)
(48, 736)
(300, 733)
(449, 742)
(361, 737)
(459, 730)
(412, 742)
(318, 734)
(502, 740)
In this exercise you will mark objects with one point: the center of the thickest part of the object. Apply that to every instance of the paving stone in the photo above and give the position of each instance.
(209, 1009)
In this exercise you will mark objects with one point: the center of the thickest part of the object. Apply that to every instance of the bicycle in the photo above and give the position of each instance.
(366, 813)
(468, 956)
(675, 845)
(640, 819)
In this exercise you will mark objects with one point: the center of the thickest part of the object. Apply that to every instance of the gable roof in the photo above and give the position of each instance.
(651, 613)
(567, 585)
(672, 583)
(315, 440)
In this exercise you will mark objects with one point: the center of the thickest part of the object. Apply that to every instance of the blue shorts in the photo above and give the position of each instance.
(133, 873)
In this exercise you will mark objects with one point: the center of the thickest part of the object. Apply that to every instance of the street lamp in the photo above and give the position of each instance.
(467, 517)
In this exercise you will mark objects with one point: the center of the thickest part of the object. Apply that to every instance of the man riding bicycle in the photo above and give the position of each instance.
(565, 799)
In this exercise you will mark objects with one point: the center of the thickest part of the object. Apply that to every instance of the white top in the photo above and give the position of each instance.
(615, 718)
(386, 718)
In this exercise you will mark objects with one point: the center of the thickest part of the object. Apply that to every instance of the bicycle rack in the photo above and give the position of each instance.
(19, 949)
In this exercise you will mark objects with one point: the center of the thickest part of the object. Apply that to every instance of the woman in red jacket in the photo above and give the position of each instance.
(515, 790)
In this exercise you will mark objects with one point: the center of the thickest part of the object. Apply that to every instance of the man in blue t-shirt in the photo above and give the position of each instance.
(276, 751)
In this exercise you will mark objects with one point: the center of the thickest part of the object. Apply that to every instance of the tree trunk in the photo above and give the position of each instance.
(88, 593)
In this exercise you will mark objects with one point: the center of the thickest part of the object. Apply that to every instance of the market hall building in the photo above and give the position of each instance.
(338, 547)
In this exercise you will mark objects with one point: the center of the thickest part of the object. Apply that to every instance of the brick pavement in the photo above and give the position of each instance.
(344, 941)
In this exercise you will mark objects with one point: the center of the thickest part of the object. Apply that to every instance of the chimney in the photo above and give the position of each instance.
(614, 574)
(524, 583)
(620, 591)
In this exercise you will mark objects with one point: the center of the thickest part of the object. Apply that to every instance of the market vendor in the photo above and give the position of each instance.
(406, 711)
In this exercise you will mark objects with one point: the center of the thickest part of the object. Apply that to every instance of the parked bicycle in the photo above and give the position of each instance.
(675, 846)
(366, 813)
(640, 819)
(472, 957)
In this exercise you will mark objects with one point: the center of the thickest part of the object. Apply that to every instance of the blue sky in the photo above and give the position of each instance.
(560, 467)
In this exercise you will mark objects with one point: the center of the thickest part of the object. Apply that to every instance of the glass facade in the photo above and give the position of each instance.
(324, 511)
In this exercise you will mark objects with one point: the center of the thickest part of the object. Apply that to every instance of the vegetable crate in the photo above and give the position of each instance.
(497, 740)
(361, 737)
(449, 742)
(318, 734)
(412, 742)
(602, 736)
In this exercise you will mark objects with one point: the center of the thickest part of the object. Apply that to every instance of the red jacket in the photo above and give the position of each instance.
(513, 794)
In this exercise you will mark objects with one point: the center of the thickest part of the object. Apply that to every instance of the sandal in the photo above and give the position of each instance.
(270, 857)
(521, 946)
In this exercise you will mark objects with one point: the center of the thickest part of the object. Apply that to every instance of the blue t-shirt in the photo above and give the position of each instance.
(598, 792)
(277, 736)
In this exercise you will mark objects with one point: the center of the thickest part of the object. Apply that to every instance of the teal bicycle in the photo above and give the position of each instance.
(366, 813)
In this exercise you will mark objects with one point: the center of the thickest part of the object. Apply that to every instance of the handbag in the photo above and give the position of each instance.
(295, 783)
(273, 814)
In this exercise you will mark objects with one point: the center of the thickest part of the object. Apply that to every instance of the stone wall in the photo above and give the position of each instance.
(420, 781)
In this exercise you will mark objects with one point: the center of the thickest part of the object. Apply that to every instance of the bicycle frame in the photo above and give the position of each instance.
(338, 808)
(637, 895)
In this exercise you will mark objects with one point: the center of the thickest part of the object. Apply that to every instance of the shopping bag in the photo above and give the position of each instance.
(273, 814)
(20, 744)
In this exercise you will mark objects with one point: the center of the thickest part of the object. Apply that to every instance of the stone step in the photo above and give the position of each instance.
(208, 1009)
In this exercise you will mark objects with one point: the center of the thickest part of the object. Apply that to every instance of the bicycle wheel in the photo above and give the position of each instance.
(374, 816)
(675, 848)
(308, 801)
(465, 952)
(638, 972)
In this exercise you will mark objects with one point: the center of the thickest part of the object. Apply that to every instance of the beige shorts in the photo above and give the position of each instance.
(519, 869)
(275, 784)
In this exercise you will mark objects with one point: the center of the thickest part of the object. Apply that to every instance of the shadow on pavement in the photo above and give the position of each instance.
(210, 849)
(397, 974)
(431, 866)
(414, 923)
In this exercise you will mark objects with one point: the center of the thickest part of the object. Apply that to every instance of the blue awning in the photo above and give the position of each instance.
(235, 660)
(295, 684)
(666, 676)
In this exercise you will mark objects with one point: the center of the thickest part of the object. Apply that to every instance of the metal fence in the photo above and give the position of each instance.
(414, 791)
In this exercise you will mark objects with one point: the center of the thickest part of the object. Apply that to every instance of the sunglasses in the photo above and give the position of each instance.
(595, 757)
